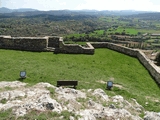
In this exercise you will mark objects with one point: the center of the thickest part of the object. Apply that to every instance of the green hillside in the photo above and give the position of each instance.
(130, 78)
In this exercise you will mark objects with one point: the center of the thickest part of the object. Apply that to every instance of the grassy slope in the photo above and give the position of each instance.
(87, 69)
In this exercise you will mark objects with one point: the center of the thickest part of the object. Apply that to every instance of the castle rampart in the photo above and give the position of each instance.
(74, 48)
(148, 64)
(48, 43)
(56, 44)
(23, 43)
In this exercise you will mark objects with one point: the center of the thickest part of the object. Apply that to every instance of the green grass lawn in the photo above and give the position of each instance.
(89, 70)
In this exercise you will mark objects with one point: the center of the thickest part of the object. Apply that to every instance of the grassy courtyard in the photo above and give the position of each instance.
(131, 79)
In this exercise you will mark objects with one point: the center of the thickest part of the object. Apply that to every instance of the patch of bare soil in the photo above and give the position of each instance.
(119, 86)
(151, 54)
(112, 79)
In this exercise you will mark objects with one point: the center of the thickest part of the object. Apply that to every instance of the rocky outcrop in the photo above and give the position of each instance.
(86, 104)
(152, 116)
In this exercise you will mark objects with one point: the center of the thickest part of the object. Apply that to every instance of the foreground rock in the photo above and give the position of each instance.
(151, 116)
(84, 104)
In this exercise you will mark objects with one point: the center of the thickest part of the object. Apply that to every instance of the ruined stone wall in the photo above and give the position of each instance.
(74, 48)
(23, 43)
(42, 43)
(115, 47)
(6, 42)
(53, 41)
(48, 43)
(148, 64)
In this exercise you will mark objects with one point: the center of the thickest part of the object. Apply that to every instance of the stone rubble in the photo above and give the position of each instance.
(101, 93)
(88, 104)
(13, 84)
(151, 116)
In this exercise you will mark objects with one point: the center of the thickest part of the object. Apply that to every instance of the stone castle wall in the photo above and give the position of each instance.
(53, 41)
(23, 43)
(74, 48)
(115, 47)
(42, 43)
(48, 43)
(148, 64)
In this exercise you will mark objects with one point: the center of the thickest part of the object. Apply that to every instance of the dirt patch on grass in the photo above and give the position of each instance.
(117, 85)
(101, 81)
(114, 84)
(152, 99)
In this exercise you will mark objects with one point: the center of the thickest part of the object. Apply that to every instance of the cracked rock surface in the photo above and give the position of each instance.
(86, 104)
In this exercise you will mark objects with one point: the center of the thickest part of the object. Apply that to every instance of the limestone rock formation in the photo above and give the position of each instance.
(152, 116)
(84, 104)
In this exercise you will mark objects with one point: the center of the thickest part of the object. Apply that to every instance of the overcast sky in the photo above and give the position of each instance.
(145, 5)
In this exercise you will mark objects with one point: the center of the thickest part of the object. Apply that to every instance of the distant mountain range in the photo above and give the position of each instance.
(33, 12)
(7, 10)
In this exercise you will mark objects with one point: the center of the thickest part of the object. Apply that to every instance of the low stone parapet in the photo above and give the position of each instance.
(148, 64)
(23, 43)
(74, 48)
